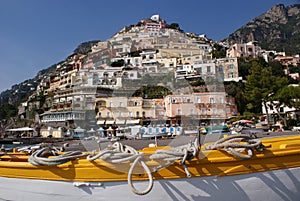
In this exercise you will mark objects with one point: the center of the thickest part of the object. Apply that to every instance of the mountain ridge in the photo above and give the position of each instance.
(277, 29)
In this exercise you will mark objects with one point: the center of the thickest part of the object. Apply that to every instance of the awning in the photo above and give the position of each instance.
(107, 122)
(119, 121)
(100, 122)
(20, 129)
(132, 121)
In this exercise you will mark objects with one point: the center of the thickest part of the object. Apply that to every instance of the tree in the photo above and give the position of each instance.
(286, 96)
(267, 89)
(235, 89)
(7, 111)
(218, 51)
(174, 26)
(244, 66)
(259, 86)
(118, 63)
(279, 96)
(277, 69)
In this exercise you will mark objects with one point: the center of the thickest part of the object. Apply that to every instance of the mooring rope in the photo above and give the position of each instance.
(235, 144)
(119, 153)
(41, 156)
(182, 153)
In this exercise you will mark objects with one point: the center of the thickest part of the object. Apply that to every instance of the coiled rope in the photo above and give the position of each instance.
(119, 153)
(235, 144)
(40, 156)
(182, 153)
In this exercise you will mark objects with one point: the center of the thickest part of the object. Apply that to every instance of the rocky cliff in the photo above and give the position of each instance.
(278, 29)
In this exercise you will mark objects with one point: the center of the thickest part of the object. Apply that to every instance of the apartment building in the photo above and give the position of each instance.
(227, 69)
(113, 110)
(250, 49)
(288, 60)
(199, 68)
(208, 106)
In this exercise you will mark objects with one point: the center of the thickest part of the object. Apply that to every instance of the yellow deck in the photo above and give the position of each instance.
(281, 153)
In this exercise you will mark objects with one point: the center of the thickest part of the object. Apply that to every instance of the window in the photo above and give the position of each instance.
(203, 111)
(77, 105)
(231, 75)
(208, 69)
(191, 111)
(108, 114)
(227, 110)
(130, 114)
(231, 67)
(179, 112)
(211, 100)
(281, 109)
(120, 104)
(137, 114)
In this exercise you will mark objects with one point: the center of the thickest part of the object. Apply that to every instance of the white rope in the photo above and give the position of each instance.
(40, 157)
(119, 153)
(182, 153)
(148, 171)
(235, 144)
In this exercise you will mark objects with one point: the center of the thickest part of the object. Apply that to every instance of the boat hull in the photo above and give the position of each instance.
(273, 185)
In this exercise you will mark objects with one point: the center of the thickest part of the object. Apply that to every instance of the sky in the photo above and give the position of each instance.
(35, 34)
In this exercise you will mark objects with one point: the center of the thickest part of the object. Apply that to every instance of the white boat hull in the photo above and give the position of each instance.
(266, 186)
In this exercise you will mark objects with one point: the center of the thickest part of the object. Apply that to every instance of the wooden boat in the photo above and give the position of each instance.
(268, 169)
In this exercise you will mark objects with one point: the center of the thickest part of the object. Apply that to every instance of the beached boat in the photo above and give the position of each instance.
(237, 167)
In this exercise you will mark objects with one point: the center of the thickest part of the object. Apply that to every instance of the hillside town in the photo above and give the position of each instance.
(145, 75)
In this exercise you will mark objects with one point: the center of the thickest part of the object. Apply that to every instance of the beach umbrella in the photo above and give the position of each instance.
(91, 131)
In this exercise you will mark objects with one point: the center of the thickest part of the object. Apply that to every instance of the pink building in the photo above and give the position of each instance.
(202, 106)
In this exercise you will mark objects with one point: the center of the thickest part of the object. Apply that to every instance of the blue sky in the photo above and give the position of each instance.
(36, 34)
